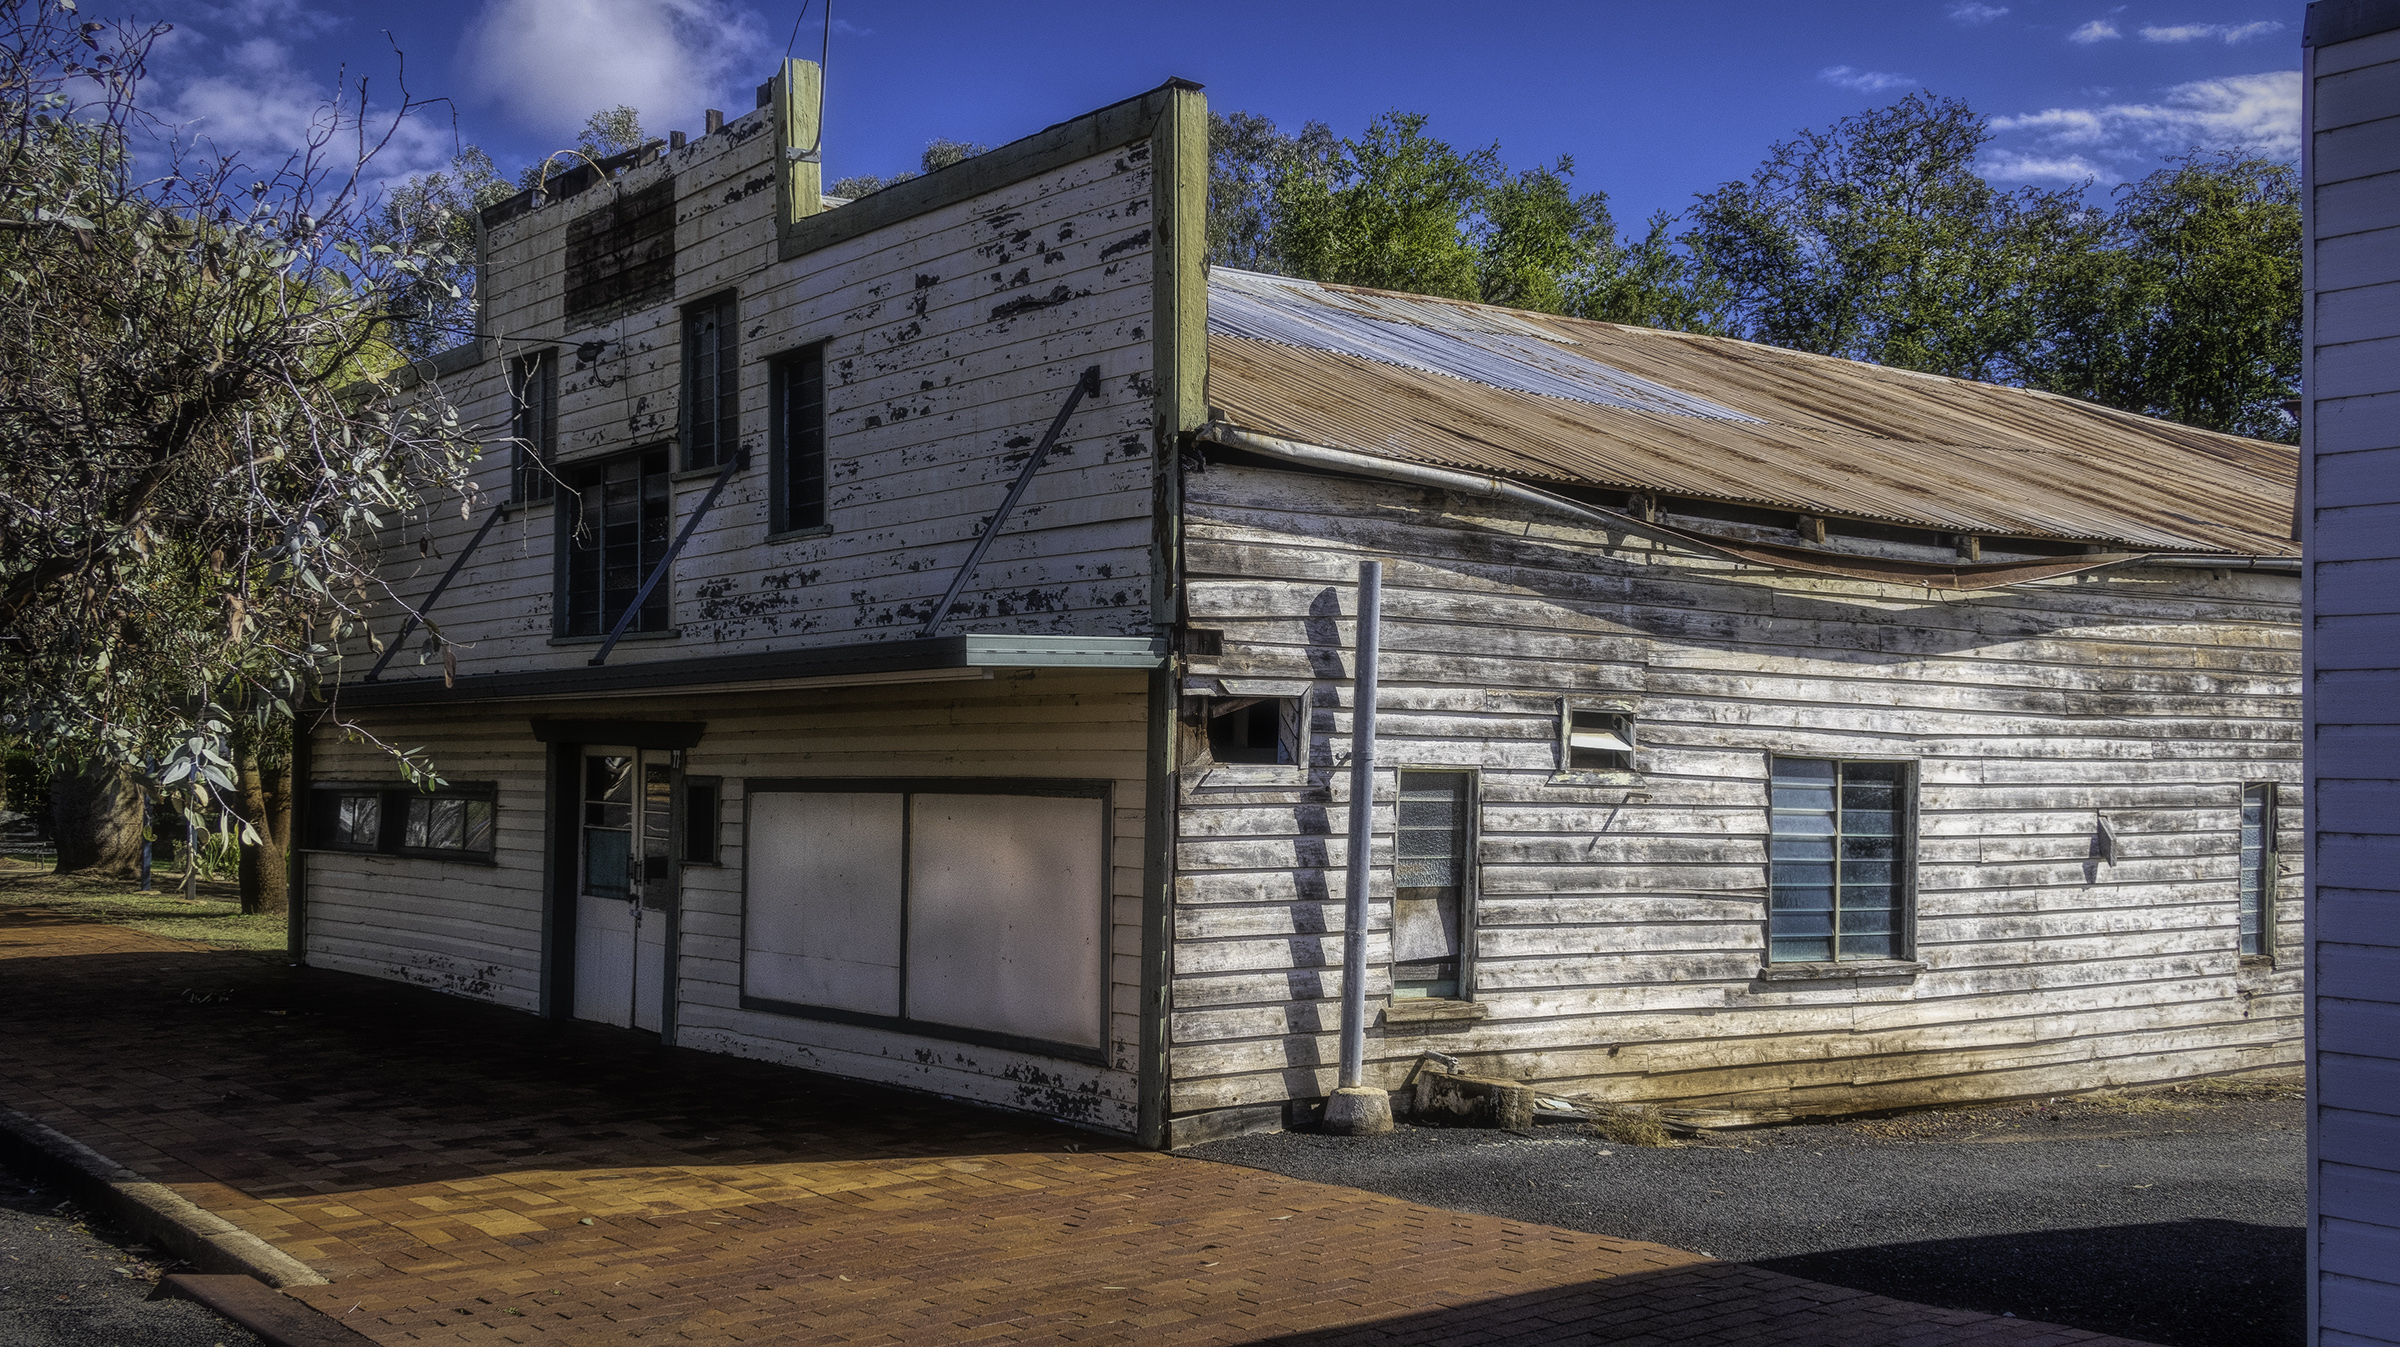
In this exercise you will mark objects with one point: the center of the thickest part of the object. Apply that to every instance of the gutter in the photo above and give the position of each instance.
(1992, 575)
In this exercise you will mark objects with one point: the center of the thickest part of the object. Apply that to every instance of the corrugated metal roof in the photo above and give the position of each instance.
(1561, 400)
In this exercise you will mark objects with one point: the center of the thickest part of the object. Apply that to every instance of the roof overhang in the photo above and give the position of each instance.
(973, 655)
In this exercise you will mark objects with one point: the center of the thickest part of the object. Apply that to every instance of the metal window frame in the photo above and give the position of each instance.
(563, 548)
(543, 446)
(780, 369)
(1905, 863)
(391, 826)
(2269, 865)
(1470, 897)
(1101, 790)
(727, 399)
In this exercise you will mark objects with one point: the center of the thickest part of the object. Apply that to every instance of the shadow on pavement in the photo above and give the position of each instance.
(2196, 1283)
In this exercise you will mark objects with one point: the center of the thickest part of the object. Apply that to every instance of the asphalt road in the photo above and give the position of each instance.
(2182, 1228)
(65, 1284)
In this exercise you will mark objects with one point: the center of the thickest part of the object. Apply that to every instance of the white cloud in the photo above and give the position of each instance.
(2228, 33)
(1968, 12)
(2098, 30)
(2015, 166)
(2259, 113)
(1865, 81)
(552, 63)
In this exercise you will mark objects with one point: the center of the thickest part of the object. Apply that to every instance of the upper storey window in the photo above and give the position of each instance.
(616, 537)
(712, 381)
(621, 255)
(533, 423)
(798, 443)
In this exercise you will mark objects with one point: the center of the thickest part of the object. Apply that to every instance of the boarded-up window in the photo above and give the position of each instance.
(1836, 860)
(712, 381)
(962, 913)
(1431, 886)
(621, 255)
(616, 535)
(2258, 868)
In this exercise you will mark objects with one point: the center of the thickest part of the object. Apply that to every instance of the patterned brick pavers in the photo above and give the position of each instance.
(467, 1175)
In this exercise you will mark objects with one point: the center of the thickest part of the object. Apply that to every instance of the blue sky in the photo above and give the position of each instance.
(1655, 101)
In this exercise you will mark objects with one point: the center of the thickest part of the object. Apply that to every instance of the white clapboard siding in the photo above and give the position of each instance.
(933, 400)
(1619, 934)
(2351, 506)
(478, 930)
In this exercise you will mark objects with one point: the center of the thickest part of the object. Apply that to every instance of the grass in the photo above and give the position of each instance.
(1630, 1125)
(214, 918)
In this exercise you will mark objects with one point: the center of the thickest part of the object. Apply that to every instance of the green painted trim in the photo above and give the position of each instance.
(1091, 134)
(1179, 324)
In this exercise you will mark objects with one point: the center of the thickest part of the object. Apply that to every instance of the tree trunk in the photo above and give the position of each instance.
(267, 806)
(96, 816)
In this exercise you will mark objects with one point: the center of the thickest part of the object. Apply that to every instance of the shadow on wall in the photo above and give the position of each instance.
(2197, 1283)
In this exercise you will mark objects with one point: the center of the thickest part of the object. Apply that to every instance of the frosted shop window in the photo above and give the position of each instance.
(963, 909)
(1838, 860)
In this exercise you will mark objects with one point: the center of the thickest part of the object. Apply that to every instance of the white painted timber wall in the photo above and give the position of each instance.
(933, 403)
(471, 930)
(1620, 928)
(2351, 488)
(477, 930)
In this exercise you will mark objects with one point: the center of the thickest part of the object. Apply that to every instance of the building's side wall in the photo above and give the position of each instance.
(477, 930)
(2352, 518)
(953, 338)
(1620, 928)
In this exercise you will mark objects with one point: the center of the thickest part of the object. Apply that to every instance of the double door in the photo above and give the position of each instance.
(625, 885)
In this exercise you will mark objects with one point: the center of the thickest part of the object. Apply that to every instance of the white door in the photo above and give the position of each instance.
(624, 883)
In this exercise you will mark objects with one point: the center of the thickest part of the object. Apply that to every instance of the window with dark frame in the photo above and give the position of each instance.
(712, 381)
(1836, 859)
(1431, 883)
(2258, 868)
(456, 822)
(797, 387)
(616, 535)
(701, 799)
(533, 425)
(1598, 740)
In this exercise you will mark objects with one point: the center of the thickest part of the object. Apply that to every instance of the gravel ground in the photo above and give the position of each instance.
(64, 1283)
(2173, 1218)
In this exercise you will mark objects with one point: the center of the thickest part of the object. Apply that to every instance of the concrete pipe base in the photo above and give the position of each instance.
(1358, 1111)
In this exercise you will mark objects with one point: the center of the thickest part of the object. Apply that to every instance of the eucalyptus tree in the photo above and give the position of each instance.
(201, 429)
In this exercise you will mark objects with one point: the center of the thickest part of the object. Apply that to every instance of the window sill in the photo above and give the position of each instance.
(1434, 1010)
(529, 506)
(1607, 780)
(669, 634)
(795, 535)
(707, 474)
(1860, 971)
(1252, 776)
(2258, 963)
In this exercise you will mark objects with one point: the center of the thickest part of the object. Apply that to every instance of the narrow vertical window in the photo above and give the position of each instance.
(2258, 868)
(799, 439)
(1431, 889)
(533, 424)
(711, 382)
(615, 538)
(700, 808)
(1835, 860)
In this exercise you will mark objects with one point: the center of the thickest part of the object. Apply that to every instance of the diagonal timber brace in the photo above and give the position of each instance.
(499, 512)
(1087, 386)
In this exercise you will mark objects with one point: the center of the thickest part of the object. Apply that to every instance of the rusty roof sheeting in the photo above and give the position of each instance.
(1476, 387)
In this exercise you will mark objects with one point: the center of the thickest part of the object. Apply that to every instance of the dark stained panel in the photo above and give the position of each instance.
(621, 255)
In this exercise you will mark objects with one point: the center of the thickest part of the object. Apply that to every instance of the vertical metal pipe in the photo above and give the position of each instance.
(1362, 821)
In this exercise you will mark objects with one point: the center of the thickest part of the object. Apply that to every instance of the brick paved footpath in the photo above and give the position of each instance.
(465, 1174)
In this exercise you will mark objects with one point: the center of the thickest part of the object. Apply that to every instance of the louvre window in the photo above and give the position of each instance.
(616, 534)
(712, 382)
(798, 389)
(2258, 868)
(1836, 860)
(1431, 883)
